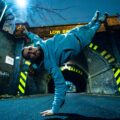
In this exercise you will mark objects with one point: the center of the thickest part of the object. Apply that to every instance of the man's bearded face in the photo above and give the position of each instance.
(31, 53)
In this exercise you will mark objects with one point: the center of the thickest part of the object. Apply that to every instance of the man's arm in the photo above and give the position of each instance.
(60, 92)
(60, 89)
(33, 37)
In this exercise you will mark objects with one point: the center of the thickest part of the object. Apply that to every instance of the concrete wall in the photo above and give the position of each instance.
(6, 70)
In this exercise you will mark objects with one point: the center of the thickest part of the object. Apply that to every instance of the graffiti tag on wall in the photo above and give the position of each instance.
(4, 74)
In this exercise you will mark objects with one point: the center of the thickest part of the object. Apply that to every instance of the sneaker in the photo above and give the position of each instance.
(96, 16)
(102, 18)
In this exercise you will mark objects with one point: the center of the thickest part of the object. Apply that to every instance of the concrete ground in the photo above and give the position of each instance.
(77, 107)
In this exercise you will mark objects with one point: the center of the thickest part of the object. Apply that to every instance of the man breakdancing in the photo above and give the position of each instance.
(58, 50)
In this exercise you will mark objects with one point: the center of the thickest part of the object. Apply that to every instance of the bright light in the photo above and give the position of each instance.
(21, 3)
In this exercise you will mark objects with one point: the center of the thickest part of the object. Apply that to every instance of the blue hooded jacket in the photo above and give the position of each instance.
(60, 49)
(57, 51)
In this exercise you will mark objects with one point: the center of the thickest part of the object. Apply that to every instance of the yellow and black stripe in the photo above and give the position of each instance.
(71, 68)
(93, 47)
(103, 53)
(23, 79)
(108, 56)
(117, 77)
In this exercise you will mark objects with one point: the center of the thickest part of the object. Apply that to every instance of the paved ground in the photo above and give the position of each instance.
(77, 107)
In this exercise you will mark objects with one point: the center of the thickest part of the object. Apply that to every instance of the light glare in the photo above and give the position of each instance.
(21, 3)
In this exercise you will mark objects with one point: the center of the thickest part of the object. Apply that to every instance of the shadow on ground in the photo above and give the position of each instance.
(67, 116)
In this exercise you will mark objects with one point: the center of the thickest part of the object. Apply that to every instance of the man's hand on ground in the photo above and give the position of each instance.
(47, 113)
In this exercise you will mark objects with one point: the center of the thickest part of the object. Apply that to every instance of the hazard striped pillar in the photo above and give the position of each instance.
(23, 78)
(117, 77)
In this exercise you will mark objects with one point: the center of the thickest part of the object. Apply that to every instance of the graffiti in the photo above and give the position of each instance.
(4, 74)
